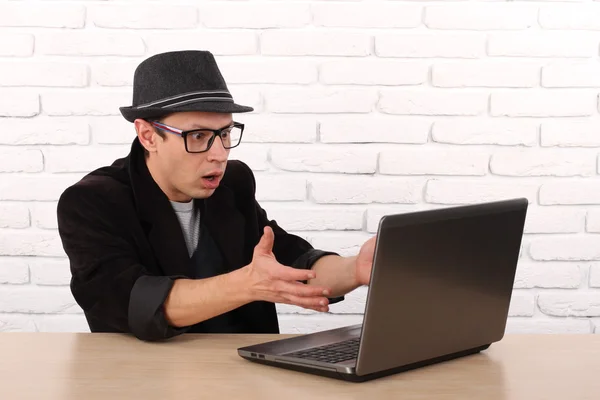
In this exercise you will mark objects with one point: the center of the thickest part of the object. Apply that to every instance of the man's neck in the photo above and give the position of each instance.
(164, 185)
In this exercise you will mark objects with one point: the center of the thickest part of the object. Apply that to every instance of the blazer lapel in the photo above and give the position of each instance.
(226, 224)
(158, 217)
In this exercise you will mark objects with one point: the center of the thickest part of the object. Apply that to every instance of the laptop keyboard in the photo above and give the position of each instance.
(331, 353)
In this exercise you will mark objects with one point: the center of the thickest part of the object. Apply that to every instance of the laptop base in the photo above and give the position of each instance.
(333, 373)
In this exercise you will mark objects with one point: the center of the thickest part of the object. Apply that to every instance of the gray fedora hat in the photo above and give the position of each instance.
(178, 81)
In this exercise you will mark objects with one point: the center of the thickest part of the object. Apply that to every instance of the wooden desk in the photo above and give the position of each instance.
(109, 366)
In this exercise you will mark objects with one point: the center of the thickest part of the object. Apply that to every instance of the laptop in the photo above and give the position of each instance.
(440, 289)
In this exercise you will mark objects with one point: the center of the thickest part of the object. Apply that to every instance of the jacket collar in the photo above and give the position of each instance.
(219, 214)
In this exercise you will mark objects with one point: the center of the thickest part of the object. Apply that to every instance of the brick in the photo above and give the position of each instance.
(278, 71)
(294, 324)
(570, 192)
(280, 187)
(219, 43)
(84, 103)
(374, 72)
(36, 300)
(14, 215)
(51, 74)
(315, 43)
(278, 128)
(412, 160)
(344, 243)
(39, 187)
(595, 276)
(361, 15)
(521, 305)
(112, 130)
(364, 190)
(593, 221)
(354, 302)
(254, 155)
(44, 130)
(545, 44)
(583, 133)
(21, 160)
(61, 323)
(556, 103)
(548, 219)
(303, 217)
(320, 100)
(54, 15)
(545, 162)
(566, 248)
(13, 271)
(16, 323)
(30, 243)
(374, 129)
(151, 16)
(477, 131)
(575, 16)
(50, 271)
(539, 326)
(457, 192)
(325, 158)
(571, 75)
(248, 95)
(479, 73)
(16, 44)
(82, 158)
(570, 304)
(430, 44)
(570, 134)
(484, 16)
(548, 275)
(43, 215)
(426, 102)
(17, 103)
(89, 44)
(264, 15)
(113, 73)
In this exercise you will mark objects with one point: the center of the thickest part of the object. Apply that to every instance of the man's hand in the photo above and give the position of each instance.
(364, 262)
(271, 281)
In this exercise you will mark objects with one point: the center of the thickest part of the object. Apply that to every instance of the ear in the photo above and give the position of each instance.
(146, 134)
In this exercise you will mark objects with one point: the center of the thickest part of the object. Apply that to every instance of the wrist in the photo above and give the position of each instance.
(240, 283)
(355, 280)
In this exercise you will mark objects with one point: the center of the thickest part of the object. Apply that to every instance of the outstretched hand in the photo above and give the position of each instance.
(274, 282)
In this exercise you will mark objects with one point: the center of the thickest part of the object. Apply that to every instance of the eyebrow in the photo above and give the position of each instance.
(198, 126)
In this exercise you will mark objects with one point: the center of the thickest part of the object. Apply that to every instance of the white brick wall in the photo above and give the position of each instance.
(362, 109)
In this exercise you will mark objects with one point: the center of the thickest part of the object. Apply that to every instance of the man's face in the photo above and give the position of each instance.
(184, 175)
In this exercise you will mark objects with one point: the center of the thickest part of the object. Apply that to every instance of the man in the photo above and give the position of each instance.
(170, 239)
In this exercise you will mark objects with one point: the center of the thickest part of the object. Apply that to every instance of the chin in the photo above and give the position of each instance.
(203, 193)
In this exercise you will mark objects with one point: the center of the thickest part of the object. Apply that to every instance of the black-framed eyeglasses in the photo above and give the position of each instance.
(200, 140)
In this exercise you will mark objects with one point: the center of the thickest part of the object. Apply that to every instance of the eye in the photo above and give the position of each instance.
(198, 135)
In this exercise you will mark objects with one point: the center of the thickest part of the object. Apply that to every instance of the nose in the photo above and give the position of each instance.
(217, 151)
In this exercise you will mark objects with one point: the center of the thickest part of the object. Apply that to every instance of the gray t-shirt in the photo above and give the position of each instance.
(189, 219)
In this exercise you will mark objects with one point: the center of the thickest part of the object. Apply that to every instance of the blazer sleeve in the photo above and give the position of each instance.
(108, 281)
(289, 249)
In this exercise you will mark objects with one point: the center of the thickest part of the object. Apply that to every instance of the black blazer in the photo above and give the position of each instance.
(126, 247)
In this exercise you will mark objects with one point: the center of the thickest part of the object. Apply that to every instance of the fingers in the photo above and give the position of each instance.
(265, 245)
(292, 274)
(299, 289)
(320, 304)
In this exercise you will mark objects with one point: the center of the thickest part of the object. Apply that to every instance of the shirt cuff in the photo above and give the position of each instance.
(146, 315)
